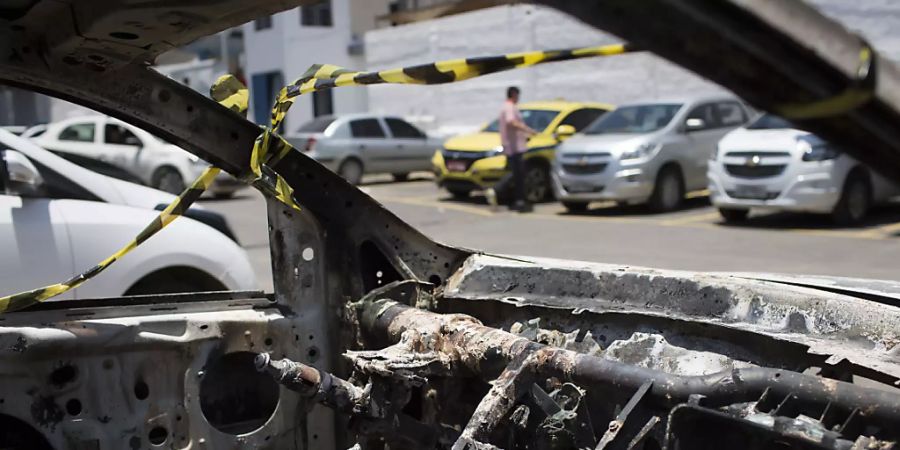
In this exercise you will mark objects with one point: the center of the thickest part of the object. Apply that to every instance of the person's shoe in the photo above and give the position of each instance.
(491, 195)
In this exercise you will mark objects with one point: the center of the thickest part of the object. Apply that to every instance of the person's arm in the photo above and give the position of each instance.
(511, 119)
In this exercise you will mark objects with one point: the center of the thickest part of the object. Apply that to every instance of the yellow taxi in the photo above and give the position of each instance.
(475, 161)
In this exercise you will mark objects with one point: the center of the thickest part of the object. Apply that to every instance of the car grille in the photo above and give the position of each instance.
(761, 154)
(745, 171)
(768, 196)
(584, 169)
(467, 158)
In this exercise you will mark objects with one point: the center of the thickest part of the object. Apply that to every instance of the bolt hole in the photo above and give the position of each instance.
(435, 280)
(178, 418)
(141, 390)
(777, 374)
(164, 96)
(268, 342)
(190, 108)
(312, 354)
(203, 327)
(158, 436)
(311, 337)
(73, 407)
(308, 254)
(123, 35)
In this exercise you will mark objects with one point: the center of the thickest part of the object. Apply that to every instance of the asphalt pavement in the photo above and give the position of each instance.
(694, 238)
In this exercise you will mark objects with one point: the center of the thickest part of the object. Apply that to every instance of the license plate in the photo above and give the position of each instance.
(751, 192)
(579, 188)
(456, 166)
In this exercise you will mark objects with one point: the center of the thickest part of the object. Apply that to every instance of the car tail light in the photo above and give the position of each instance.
(310, 145)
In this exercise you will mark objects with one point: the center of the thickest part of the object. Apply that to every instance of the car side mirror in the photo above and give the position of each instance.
(133, 140)
(564, 132)
(22, 177)
(694, 124)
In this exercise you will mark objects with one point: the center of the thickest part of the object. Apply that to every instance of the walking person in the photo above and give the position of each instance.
(514, 134)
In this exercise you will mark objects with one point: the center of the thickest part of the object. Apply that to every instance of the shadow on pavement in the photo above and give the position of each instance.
(615, 210)
(878, 216)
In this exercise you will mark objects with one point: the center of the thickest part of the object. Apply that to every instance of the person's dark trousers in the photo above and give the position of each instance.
(517, 164)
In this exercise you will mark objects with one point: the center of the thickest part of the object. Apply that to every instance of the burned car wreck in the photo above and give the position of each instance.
(378, 337)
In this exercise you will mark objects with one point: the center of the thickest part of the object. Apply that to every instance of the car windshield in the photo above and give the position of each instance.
(635, 119)
(538, 119)
(770, 122)
(317, 125)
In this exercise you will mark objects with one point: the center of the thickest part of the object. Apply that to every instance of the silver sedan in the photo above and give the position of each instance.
(357, 144)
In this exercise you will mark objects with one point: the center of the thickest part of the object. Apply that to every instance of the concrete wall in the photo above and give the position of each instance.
(451, 108)
(291, 48)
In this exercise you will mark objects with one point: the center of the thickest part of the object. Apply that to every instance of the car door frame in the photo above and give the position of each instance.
(115, 153)
(410, 154)
(374, 152)
(699, 144)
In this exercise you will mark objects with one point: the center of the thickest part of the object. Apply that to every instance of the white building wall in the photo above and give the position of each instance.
(291, 48)
(462, 106)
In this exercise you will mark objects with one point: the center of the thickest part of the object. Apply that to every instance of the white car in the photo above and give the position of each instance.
(123, 151)
(58, 219)
(771, 165)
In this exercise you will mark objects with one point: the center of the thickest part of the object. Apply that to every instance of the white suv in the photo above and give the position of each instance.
(123, 151)
(771, 165)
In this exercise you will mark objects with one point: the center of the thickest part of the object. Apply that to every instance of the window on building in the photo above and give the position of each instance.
(316, 15)
(366, 128)
(323, 103)
(79, 132)
(403, 130)
(263, 23)
(264, 87)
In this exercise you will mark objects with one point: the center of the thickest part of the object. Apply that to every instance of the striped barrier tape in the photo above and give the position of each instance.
(269, 147)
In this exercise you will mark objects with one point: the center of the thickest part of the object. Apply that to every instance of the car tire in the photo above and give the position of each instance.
(398, 177)
(575, 206)
(734, 215)
(167, 179)
(855, 201)
(668, 190)
(537, 183)
(459, 194)
(352, 171)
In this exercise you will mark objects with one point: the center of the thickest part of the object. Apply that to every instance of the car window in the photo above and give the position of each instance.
(730, 114)
(119, 135)
(706, 113)
(79, 132)
(770, 122)
(581, 118)
(402, 129)
(635, 119)
(366, 128)
(538, 119)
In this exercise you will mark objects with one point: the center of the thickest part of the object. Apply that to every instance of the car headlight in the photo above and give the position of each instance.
(497, 150)
(642, 151)
(814, 150)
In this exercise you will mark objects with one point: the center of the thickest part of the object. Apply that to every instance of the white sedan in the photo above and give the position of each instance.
(58, 219)
(123, 151)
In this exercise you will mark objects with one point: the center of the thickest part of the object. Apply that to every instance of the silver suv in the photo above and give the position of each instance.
(649, 152)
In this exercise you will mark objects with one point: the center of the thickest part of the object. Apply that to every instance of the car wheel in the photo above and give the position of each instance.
(668, 191)
(400, 176)
(459, 194)
(168, 180)
(575, 206)
(351, 170)
(537, 183)
(855, 201)
(732, 215)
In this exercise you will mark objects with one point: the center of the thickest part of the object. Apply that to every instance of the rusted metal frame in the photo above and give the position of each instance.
(618, 424)
(479, 348)
(770, 53)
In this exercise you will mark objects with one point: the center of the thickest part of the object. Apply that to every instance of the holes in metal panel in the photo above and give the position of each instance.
(73, 407)
(308, 254)
(234, 397)
(158, 435)
(141, 390)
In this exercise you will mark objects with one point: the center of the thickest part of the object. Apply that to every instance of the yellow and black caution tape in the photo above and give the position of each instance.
(860, 92)
(326, 76)
(269, 147)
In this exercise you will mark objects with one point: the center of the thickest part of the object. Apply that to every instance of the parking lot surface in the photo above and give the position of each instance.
(694, 238)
